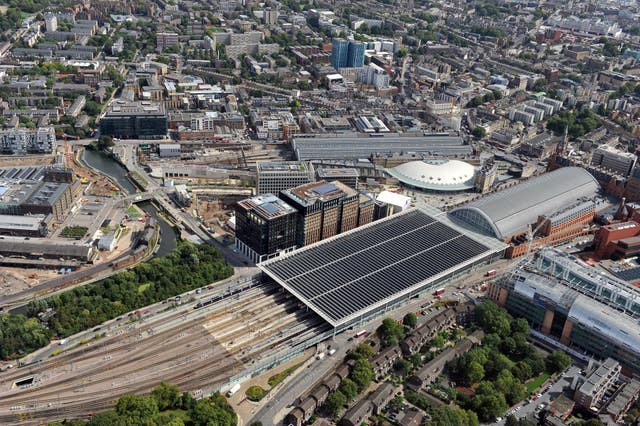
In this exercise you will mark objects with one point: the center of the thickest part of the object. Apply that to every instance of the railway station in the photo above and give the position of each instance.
(352, 277)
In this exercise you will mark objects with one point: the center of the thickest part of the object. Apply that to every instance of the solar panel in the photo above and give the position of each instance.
(325, 189)
(270, 207)
(355, 272)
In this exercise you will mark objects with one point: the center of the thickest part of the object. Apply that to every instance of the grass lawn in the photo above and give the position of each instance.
(133, 212)
(74, 231)
(537, 382)
(277, 378)
(255, 393)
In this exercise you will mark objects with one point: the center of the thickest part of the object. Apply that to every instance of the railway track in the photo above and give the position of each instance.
(213, 350)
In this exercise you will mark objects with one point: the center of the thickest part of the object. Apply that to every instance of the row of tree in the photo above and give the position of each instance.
(165, 406)
(359, 379)
(502, 364)
(188, 267)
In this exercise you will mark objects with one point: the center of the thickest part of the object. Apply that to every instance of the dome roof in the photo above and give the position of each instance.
(436, 175)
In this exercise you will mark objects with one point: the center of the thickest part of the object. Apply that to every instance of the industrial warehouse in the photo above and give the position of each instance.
(349, 278)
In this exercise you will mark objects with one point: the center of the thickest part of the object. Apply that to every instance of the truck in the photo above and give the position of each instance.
(235, 388)
(439, 291)
(490, 273)
(331, 352)
(320, 356)
(361, 333)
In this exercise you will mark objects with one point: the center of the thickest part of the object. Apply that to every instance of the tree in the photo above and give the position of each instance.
(493, 319)
(348, 388)
(104, 142)
(396, 404)
(390, 332)
(475, 372)
(92, 108)
(479, 132)
(362, 374)
(166, 395)
(447, 416)
(513, 390)
(557, 361)
(402, 367)
(137, 409)
(363, 351)
(105, 418)
(334, 403)
(488, 402)
(410, 320)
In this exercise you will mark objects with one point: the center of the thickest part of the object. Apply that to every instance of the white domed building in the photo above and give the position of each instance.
(435, 175)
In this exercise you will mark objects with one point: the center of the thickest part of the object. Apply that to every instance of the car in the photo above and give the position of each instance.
(199, 291)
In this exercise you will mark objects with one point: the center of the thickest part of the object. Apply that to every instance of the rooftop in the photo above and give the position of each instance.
(344, 277)
(125, 108)
(326, 173)
(437, 175)
(267, 206)
(282, 166)
(510, 211)
(323, 191)
(351, 146)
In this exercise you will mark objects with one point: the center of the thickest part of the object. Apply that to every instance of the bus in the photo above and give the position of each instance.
(439, 291)
(490, 273)
(361, 333)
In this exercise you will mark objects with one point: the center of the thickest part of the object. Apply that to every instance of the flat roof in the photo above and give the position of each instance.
(21, 222)
(268, 206)
(348, 275)
(352, 146)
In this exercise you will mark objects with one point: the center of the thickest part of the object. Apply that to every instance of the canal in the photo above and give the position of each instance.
(113, 169)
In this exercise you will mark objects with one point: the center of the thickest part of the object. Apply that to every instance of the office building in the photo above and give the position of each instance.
(277, 176)
(27, 141)
(134, 120)
(325, 209)
(265, 227)
(339, 53)
(166, 40)
(613, 159)
(586, 309)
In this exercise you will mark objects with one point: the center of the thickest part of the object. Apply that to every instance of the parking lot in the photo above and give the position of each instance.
(546, 395)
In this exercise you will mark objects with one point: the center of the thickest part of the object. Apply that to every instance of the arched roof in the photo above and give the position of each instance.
(510, 211)
(436, 175)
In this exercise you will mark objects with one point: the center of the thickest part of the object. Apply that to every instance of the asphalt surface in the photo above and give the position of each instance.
(548, 394)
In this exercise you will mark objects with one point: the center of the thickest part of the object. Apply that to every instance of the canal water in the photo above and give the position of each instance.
(107, 165)
(113, 169)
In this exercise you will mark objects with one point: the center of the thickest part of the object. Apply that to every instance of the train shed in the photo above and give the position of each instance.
(354, 276)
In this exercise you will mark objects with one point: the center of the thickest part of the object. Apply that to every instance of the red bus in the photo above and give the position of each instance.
(361, 333)
(490, 273)
(439, 291)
